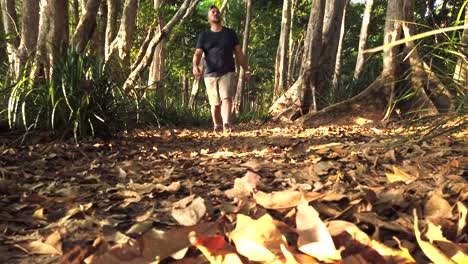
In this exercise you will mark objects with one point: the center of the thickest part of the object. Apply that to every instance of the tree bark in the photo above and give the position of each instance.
(98, 41)
(146, 54)
(113, 7)
(281, 74)
(3, 51)
(122, 43)
(363, 39)
(85, 29)
(376, 102)
(331, 35)
(336, 84)
(460, 75)
(41, 66)
(76, 13)
(156, 73)
(245, 43)
(300, 98)
(59, 31)
(10, 22)
(291, 41)
(29, 31)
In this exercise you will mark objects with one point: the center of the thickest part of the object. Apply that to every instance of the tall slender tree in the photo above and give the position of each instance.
(85, 28)
(245, 43)
(363, 38)
(337, 74)
(281, 68)
(10, 21)
(460, 74)
(29, 31)
(156, 73)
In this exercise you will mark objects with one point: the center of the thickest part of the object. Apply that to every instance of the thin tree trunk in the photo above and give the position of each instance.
(363, 39)
(460, 75)
(245, 44)
(41, 66)
(29, 31)
(3, 50)
(291, 41)
(300, 98)
(85, 29)
(156, 73)
(196, 86)
(281, 74)
(10, 25)
(331, 34)
(98, 41)
(145, 56)
(336, 84)
(122, 43)
(76, 13)
(113, 7)
(59, 32)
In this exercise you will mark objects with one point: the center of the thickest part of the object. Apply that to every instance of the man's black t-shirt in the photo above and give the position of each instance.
(218, 48)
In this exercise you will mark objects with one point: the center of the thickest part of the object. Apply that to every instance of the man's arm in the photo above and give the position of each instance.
(196, 61)
(242, 61)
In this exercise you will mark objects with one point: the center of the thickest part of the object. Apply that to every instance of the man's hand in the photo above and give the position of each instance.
(196, 71)
(247, 76)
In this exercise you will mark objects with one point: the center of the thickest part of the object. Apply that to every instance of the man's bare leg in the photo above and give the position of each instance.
(226, 110)
(216, 115)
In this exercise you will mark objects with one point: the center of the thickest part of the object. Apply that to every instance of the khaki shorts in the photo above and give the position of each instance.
(221, 87)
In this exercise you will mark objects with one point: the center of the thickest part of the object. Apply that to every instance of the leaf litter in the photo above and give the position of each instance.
(273, 195)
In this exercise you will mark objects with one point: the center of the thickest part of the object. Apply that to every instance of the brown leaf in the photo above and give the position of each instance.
(215, 248)
(189, 210)
(284, 199)
(243, 187)
(437, 206)
(400, 175)
(153, 246)
(258, 240)
(314, 238)
(462, 214)
(430, 250)
(51, 246)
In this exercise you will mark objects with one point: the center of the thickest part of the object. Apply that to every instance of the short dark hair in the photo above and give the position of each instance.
(213, 7)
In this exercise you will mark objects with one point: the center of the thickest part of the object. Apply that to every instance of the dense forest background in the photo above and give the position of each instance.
(95, 67)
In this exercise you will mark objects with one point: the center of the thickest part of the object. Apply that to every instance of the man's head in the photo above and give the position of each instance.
(214, 15)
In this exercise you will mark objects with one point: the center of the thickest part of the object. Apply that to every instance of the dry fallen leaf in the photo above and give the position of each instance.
(189, 210)
(258, 240)
(52, 245)
(462, 216)
(400, 175)
(314, 238)
(215, 248)
(284, 199)
(437, 206)
(244, 187)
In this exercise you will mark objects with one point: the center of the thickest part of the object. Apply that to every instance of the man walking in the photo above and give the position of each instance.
(219, 43)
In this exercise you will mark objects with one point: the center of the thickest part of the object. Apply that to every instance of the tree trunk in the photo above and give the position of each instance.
(10, 22)
(3, 51)
(85, 29)
(156, 73)
(41, 66)
(76, 13)
(375, 102)
(331, 35)
(460, 75)
(29, 31)
(291, 42)
(336, 84)
(98, 41)
(363, 39)
(300, 98)
(245, 43)
(59, 32)
(281, 74)
(146, 53)
(196, 86)
(122, 43)
(113, 7)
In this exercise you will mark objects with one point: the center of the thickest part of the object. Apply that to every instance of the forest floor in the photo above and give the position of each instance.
(125, 199)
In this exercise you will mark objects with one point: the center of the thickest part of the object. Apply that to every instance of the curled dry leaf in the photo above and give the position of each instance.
(154, 245)
(258, 240)
(400, 175)
(430, 250)
(284, 199)
(243, 187)
(52, 245)
(74, 211)
(462, 213)
(314, 238)
(437, 206)
(189, 210)
(215, 249)
(450, 249)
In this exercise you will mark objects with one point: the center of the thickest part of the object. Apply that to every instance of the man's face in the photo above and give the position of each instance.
(214, 16)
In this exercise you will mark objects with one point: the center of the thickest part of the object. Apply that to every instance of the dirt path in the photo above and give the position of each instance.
(72, 194)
